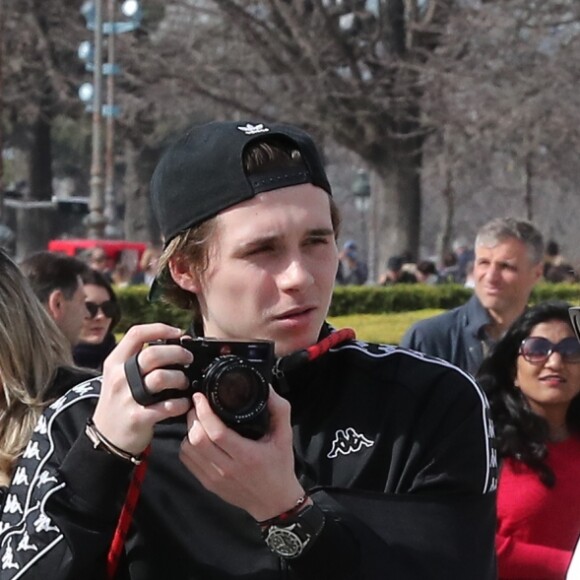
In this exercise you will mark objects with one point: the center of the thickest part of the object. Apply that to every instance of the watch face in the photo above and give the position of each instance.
(284, 542)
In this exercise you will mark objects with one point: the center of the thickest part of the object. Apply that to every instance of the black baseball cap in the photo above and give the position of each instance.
(202, 173)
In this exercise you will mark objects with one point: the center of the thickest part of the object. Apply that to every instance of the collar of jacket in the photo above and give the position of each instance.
(476, 317)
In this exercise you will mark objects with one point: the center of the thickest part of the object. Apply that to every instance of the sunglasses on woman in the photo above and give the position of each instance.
(108, 308)
(537, 350)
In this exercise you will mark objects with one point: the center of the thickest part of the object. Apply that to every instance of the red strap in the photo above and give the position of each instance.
(126, 517)
(333, 339)
(300, 357)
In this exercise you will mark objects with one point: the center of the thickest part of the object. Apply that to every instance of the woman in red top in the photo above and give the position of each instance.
(532, 379)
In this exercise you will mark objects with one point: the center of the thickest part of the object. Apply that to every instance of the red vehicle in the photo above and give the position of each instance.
(116, 250)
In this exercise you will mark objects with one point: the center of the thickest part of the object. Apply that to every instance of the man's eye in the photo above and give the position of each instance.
(260, 250)
(316, 241)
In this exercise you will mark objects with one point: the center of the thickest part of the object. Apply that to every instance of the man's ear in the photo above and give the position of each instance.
(182, 274)
(55, 304)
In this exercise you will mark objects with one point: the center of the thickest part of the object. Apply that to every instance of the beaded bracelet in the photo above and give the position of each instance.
(287, 514)
(99, 441)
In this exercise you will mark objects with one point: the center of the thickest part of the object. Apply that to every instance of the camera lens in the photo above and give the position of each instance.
(236, 390)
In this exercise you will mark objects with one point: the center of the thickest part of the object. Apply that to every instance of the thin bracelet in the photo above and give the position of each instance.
(287, 514)
(99, 441)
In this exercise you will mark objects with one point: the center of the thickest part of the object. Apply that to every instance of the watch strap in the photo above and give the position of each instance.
(292, 537)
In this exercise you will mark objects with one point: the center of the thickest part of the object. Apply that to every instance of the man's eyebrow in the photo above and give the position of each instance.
(321, 232)
(255, 242)
(265, 240)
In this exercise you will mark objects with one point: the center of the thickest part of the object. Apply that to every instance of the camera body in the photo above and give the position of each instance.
(234, 376)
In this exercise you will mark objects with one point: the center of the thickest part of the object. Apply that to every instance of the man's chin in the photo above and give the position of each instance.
(490, 302)
(495, 307)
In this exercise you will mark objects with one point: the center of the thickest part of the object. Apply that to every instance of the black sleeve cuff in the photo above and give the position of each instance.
(333, 555)
(96, 481)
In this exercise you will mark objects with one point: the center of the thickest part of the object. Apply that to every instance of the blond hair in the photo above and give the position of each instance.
(32, 349)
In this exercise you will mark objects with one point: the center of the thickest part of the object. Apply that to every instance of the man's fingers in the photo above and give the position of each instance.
(212, 424)
(169, 408)
(137, 336)
(163, 355)
(279, 410)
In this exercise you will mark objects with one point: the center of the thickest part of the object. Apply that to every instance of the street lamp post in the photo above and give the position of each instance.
(102, 215)
(110, 204)
(96, 219)
(361, 190)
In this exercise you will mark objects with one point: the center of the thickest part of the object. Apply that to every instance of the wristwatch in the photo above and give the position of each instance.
(289, 538)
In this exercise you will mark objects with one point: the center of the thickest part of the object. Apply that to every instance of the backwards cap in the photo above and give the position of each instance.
(203, 173)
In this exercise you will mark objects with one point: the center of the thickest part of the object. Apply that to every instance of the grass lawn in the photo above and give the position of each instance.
(388, 328)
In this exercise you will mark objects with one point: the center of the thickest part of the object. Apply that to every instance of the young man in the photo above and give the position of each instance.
(57, 282)
(374, 462)
(509, 256)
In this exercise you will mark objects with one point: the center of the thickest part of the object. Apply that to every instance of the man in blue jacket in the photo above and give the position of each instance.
(509, 257)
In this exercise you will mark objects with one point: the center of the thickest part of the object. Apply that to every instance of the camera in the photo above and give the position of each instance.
(234, 376)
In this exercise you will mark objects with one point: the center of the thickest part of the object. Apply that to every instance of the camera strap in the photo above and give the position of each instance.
(298, 358)
(126, 517)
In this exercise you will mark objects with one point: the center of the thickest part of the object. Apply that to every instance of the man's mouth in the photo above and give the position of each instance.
(295, 312)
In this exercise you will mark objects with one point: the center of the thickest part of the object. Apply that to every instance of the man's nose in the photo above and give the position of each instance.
(493, 273)
(295, 274)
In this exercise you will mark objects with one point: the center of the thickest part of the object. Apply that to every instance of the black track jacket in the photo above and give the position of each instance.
(395, 446)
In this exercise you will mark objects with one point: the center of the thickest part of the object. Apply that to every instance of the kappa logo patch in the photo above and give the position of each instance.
(250, 129)
(347, 441)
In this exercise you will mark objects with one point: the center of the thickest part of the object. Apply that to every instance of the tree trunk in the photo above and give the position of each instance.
(139, 222)
(396, 211)
(36, 225)
(444, 239)
(40, 162)
(528, 191)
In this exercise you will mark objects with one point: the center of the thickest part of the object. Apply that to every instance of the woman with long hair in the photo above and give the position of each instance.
(35, 364)
(532, 379)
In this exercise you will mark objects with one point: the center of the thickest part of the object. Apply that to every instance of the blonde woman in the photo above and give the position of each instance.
(35, 364)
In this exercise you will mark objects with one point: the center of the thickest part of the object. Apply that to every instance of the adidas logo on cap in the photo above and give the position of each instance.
(250, 129)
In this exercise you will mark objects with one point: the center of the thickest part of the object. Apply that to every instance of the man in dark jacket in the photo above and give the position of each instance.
(366, 462)
(509, 256)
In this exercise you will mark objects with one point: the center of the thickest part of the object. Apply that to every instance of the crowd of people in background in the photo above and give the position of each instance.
(125, 269)
(454, 267)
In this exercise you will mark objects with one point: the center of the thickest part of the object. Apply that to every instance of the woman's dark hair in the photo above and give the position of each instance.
(521, 433)
(95, 277)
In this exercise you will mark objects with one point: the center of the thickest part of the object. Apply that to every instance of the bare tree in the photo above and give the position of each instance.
(502, 88)
(472, 102)
(348, 71)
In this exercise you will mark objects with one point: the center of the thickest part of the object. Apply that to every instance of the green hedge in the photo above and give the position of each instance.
(346, 300)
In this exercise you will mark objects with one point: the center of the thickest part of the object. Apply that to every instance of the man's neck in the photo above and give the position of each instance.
(500, 322)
